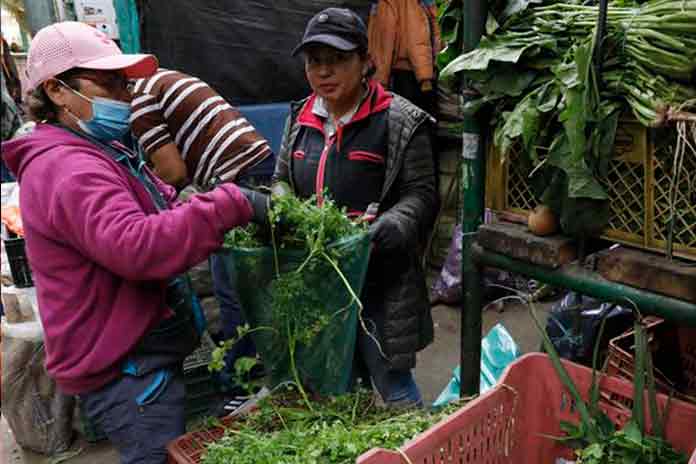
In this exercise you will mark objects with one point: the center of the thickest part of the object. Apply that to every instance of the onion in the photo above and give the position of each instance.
(542, 221)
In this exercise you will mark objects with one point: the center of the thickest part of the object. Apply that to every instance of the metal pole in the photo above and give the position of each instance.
(473, 22)
(590, 283)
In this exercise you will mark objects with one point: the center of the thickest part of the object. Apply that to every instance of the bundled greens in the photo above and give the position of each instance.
(337, 430)
(556, 90)
(649, 55)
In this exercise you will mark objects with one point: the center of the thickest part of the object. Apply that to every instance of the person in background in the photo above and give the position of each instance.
(107, 244)
(351, 132)
(11, 121)
(404, 39)
(191, 135)
(9, 71)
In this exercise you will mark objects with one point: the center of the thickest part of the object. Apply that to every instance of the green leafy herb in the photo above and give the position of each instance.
(335, 430)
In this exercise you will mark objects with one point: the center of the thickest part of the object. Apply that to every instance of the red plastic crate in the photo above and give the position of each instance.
(507, 424)
(669, 344)
(189, 448)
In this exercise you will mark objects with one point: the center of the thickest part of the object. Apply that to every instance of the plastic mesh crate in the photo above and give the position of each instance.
(202, 355)
(638, 184)
(201, 392)
(674, 356)
(189, 448)
(201, 388)
(507, 424)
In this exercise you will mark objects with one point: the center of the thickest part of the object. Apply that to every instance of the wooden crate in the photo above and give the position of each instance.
(638, 185)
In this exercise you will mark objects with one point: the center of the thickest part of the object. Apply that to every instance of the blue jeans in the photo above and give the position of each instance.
(396, 387)
(140, 415)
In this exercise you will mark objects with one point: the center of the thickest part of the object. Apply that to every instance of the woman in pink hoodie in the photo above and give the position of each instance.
(105, 241)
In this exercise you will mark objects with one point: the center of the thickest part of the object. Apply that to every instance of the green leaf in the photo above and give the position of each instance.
(501, 79)
(555, 358)
(491, 24)
(574, 119)
(594, 451)
(446, 56)
(549, 99)
(605, 425)
(633, 433)
(581, 182)
(523, 121)
(495, 49)
(583, 60)
(567, 74)
(244, 364)
(604, 150)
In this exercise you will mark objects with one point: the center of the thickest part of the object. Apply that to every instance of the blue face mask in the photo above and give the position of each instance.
(110, 118)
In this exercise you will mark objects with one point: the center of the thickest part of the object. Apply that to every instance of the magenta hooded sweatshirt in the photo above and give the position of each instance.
(100, 253)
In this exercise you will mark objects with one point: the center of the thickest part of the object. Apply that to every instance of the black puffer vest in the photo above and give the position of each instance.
(395, 293)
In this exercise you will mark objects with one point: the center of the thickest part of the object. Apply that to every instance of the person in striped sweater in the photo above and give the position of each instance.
(191, 135)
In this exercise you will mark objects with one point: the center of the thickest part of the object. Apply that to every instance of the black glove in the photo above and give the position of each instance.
(387, 235)
(260, 203)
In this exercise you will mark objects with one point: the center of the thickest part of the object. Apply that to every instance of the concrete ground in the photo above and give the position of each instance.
(433, 372)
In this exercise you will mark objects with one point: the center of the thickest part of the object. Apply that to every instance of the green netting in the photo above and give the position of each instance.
(325, 362)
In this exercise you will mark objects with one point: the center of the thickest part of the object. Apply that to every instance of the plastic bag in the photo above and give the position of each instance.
(498, 350)
(38, 414)
(325, 366)
(574, 322)
(447, 288)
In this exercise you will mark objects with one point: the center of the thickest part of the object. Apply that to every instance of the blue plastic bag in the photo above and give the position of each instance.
(498, 350)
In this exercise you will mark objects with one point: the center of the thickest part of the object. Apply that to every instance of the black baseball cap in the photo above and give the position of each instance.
(339, 28)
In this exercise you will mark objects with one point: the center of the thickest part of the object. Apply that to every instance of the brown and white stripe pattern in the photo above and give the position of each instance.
(214, 139)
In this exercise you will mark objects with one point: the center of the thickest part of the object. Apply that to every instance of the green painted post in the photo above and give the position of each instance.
(472, 180)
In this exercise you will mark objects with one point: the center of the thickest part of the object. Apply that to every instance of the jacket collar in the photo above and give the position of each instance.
(377, 100)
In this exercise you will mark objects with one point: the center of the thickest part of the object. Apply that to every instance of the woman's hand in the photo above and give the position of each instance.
(387, 235)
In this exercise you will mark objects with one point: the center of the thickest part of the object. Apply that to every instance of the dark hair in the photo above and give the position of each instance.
(40, 106)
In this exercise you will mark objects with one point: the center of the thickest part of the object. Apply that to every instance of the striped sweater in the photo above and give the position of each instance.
(214, 139)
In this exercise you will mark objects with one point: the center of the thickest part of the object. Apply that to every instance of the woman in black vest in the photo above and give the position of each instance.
(370, 150)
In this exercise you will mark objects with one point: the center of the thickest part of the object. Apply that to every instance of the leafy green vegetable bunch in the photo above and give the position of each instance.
(555, 90)
(335, 430)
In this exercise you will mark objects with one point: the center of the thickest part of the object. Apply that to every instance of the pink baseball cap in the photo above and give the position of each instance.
(63, 46)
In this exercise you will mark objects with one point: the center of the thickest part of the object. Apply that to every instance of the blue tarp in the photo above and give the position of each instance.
(269, 121)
